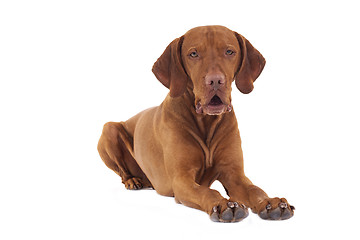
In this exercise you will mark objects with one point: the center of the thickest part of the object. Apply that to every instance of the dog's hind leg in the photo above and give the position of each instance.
(115, 147)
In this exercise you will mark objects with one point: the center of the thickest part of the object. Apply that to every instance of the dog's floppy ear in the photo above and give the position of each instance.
(169, 69)
(251, 65)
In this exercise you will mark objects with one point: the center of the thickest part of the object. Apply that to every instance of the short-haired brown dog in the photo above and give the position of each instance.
(192, 139)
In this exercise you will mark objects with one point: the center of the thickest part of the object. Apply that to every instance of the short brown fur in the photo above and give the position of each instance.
(192, 139)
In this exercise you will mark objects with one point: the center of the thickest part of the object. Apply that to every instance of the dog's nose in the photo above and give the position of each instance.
(215, 81)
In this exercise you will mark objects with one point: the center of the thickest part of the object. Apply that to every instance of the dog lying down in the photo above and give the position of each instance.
(192, 139)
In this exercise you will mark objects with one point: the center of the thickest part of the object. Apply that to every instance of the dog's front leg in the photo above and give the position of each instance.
(230, 166)
(191, 194)
(184, 171)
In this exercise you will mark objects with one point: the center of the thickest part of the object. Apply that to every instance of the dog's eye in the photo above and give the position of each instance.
(229, 52)
(193, 54)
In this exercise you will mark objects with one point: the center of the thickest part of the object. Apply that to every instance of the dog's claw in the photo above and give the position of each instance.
(231, 204)
(283, 205)
(215, 209)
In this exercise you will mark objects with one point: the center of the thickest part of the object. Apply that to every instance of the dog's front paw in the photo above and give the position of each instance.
(229, 212)
(275, 209)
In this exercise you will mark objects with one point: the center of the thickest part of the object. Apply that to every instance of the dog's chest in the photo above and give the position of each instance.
(208, 136)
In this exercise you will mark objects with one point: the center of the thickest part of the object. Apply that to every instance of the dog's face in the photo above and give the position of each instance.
(209, 59)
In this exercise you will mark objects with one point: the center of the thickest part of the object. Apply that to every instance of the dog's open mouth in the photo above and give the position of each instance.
(214, 107)
(215, 101)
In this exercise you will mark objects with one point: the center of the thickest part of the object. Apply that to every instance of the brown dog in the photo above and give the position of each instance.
(192, 139)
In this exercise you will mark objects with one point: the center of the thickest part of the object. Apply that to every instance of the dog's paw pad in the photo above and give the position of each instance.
(233, 212)
(276, 209)
(214, 215)
(227, 215)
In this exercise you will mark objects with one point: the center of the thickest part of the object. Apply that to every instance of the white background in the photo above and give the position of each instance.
(67, 67)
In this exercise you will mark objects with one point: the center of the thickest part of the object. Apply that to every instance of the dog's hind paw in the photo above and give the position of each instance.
(133, 184)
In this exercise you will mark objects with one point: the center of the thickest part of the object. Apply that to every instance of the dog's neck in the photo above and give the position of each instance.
(202, 127)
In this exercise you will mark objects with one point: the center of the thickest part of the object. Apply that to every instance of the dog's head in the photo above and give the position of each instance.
(209, 59)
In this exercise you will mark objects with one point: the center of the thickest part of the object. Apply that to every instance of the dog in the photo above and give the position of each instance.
(192, 139)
